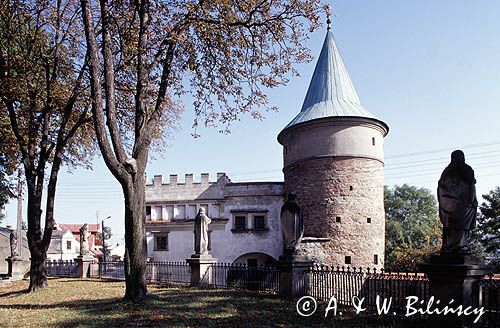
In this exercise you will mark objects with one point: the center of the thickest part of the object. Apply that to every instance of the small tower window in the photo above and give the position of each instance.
(368, 220)
(348, 260)
(338, 219)
(373, 141)
(375, 259)
(351, 188)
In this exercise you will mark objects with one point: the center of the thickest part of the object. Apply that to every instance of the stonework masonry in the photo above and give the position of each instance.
(342, 200)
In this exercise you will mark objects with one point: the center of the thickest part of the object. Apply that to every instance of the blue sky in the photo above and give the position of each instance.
(429, 69)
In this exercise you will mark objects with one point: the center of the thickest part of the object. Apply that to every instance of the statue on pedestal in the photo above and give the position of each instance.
(14, 253)
(84, 240)
(457, 204)
(292, 224)
(201, 223)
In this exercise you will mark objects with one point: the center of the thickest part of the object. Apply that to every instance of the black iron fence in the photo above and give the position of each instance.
(489, 299)
(60, 268)
(323, 282)
(158, 272)
(260, 278)
(169, 272)
(111, 270)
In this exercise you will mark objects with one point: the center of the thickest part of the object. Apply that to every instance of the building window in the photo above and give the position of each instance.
(161, 242)
(169, 212)
(373, 141)
(148, 212)
(368, 220)
(209, 246)
(68, 245)
(338, 219)
(351, 188)
(259, 222)
(191, 212)
(181, 212)
(348, 260)
(158, 213)
(375, 259)
(240, 222)
(214, 211)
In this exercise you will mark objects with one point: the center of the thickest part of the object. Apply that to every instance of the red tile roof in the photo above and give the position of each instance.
(75, 227)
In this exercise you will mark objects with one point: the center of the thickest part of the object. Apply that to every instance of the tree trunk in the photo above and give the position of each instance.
(135, 240)
(38, 274)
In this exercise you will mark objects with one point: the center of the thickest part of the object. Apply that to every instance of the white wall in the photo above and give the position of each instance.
(60, 244)
(226, 245)
(334, 138)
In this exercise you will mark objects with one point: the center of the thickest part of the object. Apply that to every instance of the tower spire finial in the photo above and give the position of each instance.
(328, 21)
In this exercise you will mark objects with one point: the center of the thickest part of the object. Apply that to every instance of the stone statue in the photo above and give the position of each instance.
(292, 224)
(84, 240)
(13, 244)
(457, 204)
(201, 222)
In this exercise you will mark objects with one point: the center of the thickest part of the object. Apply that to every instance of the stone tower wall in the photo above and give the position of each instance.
(345, 189)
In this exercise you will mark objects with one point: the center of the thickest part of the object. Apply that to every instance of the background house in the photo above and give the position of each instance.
(63, 246)
(65, 234)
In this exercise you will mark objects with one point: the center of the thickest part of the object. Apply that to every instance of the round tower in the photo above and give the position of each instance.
(333, 161)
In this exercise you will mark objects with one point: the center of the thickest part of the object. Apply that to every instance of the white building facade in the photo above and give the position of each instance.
(63, 246)
(245, 218)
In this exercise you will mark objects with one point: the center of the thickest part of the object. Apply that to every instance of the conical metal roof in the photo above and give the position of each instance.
(330, 93)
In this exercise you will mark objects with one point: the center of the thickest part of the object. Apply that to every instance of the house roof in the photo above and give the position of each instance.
(58, 233)
(75, 227)
(331, 92)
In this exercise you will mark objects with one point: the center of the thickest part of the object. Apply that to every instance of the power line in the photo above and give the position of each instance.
(483, 144)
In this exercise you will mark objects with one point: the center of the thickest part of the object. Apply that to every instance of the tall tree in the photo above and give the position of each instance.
(5, 185)
(42, 95)
(412, 226)
(487, 232)
(222, 52)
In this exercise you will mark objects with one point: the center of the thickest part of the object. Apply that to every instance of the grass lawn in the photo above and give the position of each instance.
(94, 303)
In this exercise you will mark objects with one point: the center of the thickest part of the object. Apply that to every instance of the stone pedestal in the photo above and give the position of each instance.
(293, 280)
(83, 265)
(200, 263)
(18, 268)
(454, 277)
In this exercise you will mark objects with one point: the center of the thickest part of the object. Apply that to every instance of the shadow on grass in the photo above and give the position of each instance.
(180, 307)
(13, 293)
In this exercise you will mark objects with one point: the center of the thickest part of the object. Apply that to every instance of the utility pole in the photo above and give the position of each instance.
(20, 213)
(104, 240)
(103, 244)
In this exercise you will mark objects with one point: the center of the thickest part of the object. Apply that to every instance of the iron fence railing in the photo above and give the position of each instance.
(345, 283)
(260, 278)
(158, 272)
(60, 268)
(169, 272)
(112, 270)
(489, 299)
